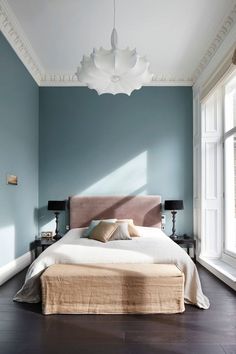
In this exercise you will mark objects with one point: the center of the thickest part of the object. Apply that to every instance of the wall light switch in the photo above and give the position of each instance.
(163, 221)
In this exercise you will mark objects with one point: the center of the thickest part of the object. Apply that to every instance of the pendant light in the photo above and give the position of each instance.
(115, 70)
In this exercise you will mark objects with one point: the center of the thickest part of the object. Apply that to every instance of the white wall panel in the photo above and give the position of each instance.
(210, 160)
(211, 170)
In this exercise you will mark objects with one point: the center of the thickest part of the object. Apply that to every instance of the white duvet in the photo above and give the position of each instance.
(152, 247)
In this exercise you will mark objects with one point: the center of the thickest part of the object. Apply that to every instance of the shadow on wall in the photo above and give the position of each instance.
(129, 179)
(119, 182)
(115, 146)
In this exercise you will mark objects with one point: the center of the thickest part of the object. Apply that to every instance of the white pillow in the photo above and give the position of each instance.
(121, 233)
(93, 224)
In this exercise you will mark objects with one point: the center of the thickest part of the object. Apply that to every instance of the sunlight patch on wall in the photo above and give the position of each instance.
(127, 179)
(7, 252)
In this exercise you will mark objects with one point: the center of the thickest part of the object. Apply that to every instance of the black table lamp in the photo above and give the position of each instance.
(57, 206)
(174, 205)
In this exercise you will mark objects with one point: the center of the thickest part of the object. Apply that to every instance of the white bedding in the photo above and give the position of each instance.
(152, 247)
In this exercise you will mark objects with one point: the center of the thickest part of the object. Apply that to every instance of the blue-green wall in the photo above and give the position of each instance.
(89, 144)
(18, 155)
(108, 144)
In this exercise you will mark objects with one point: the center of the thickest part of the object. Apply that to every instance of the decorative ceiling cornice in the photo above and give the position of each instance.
(11, 29)
(16, 38)
(216, 43)
(166, 79)
(70, 79)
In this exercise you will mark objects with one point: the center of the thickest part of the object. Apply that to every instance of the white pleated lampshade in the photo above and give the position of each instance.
(114, 71)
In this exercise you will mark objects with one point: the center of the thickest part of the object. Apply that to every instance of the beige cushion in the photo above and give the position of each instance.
(93, 224)
(121, 233)
(103, 231)
(132, 229)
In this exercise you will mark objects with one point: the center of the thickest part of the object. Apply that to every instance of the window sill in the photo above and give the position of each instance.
(221, 269)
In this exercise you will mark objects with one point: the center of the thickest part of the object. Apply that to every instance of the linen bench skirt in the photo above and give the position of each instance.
(112, 289)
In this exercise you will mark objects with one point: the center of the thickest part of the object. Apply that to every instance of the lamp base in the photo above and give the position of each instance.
(174, 236)
(57, 237)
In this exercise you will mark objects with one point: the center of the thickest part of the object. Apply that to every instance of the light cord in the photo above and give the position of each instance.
(114, 19)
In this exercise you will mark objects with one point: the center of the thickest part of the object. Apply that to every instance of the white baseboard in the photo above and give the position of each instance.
(15, 266)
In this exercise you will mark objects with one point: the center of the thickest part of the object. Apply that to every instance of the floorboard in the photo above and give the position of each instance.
(24, 330)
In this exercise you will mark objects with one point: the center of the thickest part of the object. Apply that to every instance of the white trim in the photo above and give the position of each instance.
(210, 161)
(10, 269)
(216, 43)
(218, 78)
(221, 270)
(13, 32)
(16, 37)
(175, 82)
(61, 80)
(11, 29)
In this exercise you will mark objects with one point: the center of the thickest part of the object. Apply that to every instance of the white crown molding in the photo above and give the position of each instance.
(216, 43)
(70, 79)
(12, 31)
(170, 80)
(14, 34)
(173, 82)
(60, 79)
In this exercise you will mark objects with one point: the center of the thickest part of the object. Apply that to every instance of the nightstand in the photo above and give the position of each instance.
(186, 242)
(43, 243)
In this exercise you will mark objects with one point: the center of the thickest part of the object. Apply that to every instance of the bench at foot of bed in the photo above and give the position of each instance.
(112, 289)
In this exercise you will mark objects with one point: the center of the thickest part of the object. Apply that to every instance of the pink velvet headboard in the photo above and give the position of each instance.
(144, 210)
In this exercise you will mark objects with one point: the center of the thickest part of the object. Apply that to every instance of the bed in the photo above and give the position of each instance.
(152, 247)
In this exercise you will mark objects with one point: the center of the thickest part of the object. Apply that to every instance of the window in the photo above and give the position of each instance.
(218, 172)
(229, 139)
(214, 157)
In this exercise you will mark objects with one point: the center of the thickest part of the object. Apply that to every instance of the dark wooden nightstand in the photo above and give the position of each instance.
(43, 243)
(186, 242)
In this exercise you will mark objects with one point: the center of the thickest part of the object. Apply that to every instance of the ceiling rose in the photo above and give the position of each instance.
(115, 70)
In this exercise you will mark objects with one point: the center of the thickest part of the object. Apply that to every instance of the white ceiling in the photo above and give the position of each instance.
(173, 34)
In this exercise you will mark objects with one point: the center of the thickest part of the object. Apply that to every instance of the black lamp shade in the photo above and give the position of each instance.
(56, 205)
(174, 205)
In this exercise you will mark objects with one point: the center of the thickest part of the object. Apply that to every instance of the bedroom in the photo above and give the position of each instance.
(61, 139)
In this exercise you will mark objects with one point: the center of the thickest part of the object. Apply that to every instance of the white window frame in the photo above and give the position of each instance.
(212, 175)
(227, 255)
(212, 138)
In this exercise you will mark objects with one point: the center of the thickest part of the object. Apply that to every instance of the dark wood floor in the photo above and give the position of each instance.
(23, 329)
